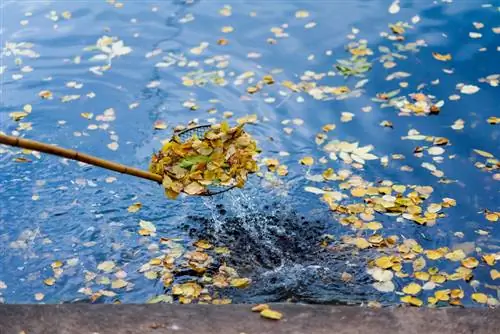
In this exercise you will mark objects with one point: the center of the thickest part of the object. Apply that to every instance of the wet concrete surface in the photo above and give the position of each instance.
(238, 319)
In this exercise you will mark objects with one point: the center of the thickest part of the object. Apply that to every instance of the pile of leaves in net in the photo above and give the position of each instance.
(223, 157)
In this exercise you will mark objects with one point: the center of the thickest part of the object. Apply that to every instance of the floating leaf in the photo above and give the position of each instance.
(134, 207)
(39, 296)
(160, 125)
(50, 281)
(458, 125)
(394, 7)
(412, 301)
(148, 226)
(106, 266)
(302, 14)
(384, 286)
(469, 89)
(470, 262)
(308, 161)
(456, 255)
(412, 289)
(495, 274)
(118, 284)
(484, 153)
(441, 57)
(240, 282)
(479, 298)
(490, 259)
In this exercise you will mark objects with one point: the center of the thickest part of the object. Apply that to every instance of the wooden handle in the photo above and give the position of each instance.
(74, 155)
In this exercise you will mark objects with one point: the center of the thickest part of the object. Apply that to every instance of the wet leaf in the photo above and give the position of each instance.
(441, 57)
(458, 124)
(456, 255)
(412, 301)
(387, 286)
(106, 266)
(308, 161)
(160, 125)
(412, 289)
(394, 7)
(39, 296)
(470, 263)
(134, 207)
(490, 259)
(50, 281)
(495, 274)
(484, 153)
(147, 226)
(480, 298)
(469, 89)
(270, 314)
(240, 282)
(260, 307)
(45, 94)
(118, 284)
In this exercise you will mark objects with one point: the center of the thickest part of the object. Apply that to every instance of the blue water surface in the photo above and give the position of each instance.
(58, 210)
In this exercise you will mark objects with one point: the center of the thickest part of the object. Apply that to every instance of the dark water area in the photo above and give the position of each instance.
(193, 61)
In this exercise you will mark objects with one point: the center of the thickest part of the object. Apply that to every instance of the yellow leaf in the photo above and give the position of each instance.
(45, 94)
(438, 279)
(484, 153)
(39, 296)
(160, 125)
(479, 298)
(87, 115)
(240, 282)
(412, 289)
(457, 293)
(441, 57)
(106, 266)
(374, 226)
(50, 281)
(493, 120)
(260, 307)
(358, 192)
(18, 115)
(412, 301)
(383, 262)
(194, 188)
(56, 264)
(419, 264)
(495, 274)
(151, 275)
(301, 14)
(422, 275)
(328, 127)
(470, 263)
(134, 207)
(361, 243)
(456, 255)
(118, 284)
(270, 314)
(492, 217)
(203, 244)
(308, 161)
(433, 254)
(155, 262)
(442, 295)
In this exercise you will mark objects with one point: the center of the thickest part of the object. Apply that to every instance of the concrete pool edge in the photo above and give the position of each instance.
(236, 319)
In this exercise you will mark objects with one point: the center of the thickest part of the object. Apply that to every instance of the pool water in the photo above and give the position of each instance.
(399, 99)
